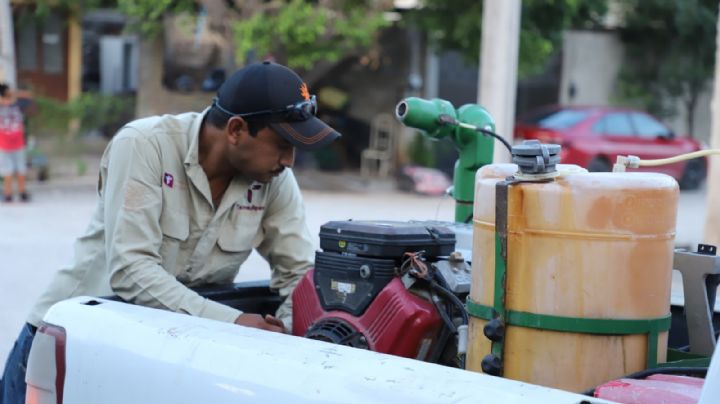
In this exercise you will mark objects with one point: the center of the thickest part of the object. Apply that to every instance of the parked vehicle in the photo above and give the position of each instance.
(593, 137)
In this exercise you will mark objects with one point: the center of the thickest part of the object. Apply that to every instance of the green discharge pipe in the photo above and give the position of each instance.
(438, 119)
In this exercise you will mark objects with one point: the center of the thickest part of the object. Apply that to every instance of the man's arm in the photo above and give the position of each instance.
(132, 194)
(287, 243)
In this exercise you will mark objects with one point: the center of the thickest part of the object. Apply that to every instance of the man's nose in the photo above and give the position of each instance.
(288, 158)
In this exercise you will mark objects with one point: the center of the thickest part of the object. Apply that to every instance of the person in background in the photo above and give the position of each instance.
(13, 164)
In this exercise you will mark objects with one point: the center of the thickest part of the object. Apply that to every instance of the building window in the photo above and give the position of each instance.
(52, 43)
(27, 47)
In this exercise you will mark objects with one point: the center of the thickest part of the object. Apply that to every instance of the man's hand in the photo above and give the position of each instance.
(269, 322)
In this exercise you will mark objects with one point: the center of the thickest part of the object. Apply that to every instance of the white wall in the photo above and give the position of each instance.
(591, 62)
(118, 71)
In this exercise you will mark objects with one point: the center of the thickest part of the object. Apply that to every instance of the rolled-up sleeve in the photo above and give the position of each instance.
(287, 244)
(131, 188)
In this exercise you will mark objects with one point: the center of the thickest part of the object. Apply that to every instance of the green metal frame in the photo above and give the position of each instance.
(599, 326)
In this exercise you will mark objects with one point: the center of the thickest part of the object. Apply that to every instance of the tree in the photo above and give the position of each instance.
(298, 33)
(301, 33)
(670, 50)
(456, 25)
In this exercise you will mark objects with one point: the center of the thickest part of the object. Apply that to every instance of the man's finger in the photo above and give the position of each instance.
(274, 321)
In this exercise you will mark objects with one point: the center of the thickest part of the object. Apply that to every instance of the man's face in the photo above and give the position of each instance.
(263, 156)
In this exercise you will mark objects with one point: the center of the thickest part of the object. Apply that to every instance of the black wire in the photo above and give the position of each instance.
(453, 299)
(436, 356)
(442, 311)
(496, 136)
(445, 119)
(435, 287)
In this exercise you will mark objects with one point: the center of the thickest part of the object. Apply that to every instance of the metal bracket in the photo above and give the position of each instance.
(700, 274)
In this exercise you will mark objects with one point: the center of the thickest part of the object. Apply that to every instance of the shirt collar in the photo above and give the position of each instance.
(191, 158)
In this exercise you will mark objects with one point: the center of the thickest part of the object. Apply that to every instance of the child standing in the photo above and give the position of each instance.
(12, 145)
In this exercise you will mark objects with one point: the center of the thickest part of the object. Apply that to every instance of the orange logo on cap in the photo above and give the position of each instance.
(304, 91)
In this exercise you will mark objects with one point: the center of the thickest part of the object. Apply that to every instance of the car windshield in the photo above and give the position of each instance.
(556, 119)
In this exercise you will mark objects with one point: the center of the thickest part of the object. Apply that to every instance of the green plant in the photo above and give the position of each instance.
(670, 54)
(457, 25)
(90, 111)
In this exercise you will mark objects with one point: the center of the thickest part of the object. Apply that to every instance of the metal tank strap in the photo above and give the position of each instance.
(600, 326)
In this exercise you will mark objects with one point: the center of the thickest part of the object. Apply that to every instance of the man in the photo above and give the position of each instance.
(13, 164)
(183, 200)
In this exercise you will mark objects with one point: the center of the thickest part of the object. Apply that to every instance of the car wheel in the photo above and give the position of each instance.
(693, 175)
(599, 164)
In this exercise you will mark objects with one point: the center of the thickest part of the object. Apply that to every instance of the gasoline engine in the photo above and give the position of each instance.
(390, 287)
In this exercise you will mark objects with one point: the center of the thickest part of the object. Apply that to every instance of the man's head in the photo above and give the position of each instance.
(266, 110)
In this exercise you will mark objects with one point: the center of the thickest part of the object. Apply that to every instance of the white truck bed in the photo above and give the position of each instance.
(121, 353)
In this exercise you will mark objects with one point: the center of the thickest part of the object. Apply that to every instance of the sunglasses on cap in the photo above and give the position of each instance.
(300, 111)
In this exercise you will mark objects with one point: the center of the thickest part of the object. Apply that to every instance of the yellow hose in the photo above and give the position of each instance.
(624, 162)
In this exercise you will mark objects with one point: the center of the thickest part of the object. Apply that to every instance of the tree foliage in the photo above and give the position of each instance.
(298, 33)
(670, 53)
(457, 25)
(146, 16)
(302, 33)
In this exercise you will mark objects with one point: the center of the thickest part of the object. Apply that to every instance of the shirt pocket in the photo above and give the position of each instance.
(238, 232)
(175, 226)
(235, 243)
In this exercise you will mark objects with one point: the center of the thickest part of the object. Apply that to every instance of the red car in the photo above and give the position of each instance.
(593, 137)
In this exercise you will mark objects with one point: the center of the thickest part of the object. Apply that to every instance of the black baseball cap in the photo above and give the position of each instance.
(275, 94)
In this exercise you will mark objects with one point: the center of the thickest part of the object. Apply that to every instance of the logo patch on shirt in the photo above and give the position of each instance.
(168, 180)
(253, 187)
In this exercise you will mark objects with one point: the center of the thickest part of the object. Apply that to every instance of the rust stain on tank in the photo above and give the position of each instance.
(601, 213)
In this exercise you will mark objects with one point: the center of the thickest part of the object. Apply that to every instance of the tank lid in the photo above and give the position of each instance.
(533, 157)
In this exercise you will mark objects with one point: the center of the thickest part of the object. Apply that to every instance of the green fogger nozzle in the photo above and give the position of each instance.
(438, 119)
(425, 115)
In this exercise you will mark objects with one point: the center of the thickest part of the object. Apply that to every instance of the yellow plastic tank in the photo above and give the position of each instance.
(586, 245)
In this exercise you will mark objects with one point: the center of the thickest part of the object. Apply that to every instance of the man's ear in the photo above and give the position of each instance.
(236, 127)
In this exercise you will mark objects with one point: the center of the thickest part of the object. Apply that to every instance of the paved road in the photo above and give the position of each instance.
(36, 239)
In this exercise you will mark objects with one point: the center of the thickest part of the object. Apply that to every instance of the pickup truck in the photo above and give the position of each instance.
(112, 352)
(96, 350)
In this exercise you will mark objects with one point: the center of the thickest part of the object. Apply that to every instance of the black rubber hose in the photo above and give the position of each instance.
(453, 299)
(440, 345)
(442, 311)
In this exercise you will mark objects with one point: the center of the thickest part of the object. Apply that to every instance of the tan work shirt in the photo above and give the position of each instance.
(155, 230)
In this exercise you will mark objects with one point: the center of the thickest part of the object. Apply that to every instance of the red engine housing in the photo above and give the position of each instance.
(397, 322)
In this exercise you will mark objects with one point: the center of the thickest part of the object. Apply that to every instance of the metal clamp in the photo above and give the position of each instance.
(700, 275)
